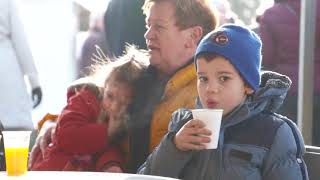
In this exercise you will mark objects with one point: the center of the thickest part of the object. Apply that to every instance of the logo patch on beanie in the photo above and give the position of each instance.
(220, 38)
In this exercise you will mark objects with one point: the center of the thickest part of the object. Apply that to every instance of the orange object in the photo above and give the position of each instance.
(16, 161)
(47, 117)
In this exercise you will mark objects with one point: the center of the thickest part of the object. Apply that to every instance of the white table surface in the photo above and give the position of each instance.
(68, 175)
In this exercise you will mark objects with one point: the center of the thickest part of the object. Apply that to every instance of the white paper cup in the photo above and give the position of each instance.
(16, 146)
(212, 120)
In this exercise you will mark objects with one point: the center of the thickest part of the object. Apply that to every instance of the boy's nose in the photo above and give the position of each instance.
(213, 87)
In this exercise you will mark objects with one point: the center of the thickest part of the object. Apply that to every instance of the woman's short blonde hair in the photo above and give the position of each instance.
(190, 13)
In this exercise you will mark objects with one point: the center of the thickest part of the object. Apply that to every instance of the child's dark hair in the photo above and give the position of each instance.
(208, 56)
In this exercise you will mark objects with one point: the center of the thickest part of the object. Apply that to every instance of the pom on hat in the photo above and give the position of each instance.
(240, 45)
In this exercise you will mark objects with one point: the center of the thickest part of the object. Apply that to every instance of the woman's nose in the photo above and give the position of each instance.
(149, 34)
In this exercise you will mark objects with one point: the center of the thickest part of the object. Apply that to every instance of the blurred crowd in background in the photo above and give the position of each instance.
(63, 34)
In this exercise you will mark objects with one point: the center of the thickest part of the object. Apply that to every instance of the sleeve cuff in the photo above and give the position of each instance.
(33, 80)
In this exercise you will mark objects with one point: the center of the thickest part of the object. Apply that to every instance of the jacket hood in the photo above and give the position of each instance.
(269, 97)
(272, 92)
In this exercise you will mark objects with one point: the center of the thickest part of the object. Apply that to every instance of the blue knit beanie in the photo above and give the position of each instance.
(240, 45)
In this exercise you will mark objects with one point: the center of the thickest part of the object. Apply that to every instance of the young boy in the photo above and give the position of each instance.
(255, 142)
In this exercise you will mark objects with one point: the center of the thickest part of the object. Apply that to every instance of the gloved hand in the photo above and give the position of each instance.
(36, 96)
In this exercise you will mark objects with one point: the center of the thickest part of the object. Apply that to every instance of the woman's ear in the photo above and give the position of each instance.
(195, 34)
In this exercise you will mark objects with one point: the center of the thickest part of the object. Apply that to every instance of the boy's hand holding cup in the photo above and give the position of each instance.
(202, 132)
(192, 136)
(212, 120)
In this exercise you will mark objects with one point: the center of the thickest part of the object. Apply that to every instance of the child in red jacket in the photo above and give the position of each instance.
(92, 123)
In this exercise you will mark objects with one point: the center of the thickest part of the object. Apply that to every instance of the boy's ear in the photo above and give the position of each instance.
(195, 34)
(248, 90)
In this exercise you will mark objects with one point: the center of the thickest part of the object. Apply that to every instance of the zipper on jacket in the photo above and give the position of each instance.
(220, 153)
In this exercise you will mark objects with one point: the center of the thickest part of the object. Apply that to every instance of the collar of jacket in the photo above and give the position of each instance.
(179, 79)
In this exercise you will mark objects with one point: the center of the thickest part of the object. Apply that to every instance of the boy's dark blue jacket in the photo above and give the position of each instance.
(254, 143)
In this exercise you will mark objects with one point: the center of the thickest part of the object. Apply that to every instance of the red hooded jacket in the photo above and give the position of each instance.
(79, 140)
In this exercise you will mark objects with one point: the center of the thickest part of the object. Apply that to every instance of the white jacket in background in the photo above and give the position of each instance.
(16, 63)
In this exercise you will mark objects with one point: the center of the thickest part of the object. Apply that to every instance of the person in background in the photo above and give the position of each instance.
(124, 23)
(279, 29)
(226, 15)
(16, 104)
(170, 81)
(93, 123)
(254, 141)
(259, 11)
(95, 36)
(17, 63)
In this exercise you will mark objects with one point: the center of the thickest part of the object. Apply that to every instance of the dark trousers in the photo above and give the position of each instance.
(290, 109)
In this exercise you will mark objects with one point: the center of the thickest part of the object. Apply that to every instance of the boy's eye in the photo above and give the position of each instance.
(224, 78)
(203, 78)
